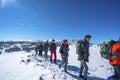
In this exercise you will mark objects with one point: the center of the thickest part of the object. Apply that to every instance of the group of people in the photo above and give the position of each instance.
(82, 49)
(40, 48)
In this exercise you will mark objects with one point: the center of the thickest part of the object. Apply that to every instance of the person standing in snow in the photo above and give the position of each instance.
(36, 50)
(40, 49)
(64, 54)
(52, 49)
(115, 59)
(45, 47)
(83, 56)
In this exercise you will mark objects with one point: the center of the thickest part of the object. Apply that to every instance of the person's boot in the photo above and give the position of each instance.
(84, 78)
(59, 66)
(81, 76)
(66, 71)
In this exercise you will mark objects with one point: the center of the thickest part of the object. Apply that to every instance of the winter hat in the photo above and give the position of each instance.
(53, 40)
(88, 36)
(65, 40)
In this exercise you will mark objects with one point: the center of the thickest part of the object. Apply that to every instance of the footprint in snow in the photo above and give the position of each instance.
(109, 68)
(101, 65)
(94, 69)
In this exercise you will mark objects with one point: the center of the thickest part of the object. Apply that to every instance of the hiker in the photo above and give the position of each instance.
(83, 55)
(36, 50)
(64, 54)
(115, 59)
(110, 50)
(45, 47)
(105, 50)
(52, 49)
(40, 49)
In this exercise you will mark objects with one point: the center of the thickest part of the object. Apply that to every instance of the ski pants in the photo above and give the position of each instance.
(51, 54)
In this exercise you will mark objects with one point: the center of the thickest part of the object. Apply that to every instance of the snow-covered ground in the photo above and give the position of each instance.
(20, 66)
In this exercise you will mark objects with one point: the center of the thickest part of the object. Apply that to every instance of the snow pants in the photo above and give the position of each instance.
(51, 54)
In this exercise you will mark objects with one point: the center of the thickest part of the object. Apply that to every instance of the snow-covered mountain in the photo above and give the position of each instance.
(25, 66)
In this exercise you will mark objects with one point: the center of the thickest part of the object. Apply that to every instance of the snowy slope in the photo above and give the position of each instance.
(20, 66)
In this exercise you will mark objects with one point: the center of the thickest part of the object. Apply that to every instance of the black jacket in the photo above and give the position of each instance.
(64, 50)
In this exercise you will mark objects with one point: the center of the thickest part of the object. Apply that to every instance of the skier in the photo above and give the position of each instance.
(40, 49)
(83, 55)
(45, 47)
(52, 49)
(64, 54)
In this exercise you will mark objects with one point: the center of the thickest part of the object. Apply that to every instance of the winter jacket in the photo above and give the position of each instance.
(37, 48)
(83, 52)
(41, 47)
(46, 46)
(115, 52)
(52, 47)
(64, 50)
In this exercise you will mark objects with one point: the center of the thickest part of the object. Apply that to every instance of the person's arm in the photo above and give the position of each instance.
(50, 47)
(116, 53)
(55, 47)
(61, 49)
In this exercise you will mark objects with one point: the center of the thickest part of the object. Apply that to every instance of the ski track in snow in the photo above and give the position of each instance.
(26, 66)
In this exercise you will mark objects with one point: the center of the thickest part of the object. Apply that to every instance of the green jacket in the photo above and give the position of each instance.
(46, 46)
(83, 51)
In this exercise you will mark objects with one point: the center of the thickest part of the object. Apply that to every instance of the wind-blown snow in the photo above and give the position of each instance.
(20, 66)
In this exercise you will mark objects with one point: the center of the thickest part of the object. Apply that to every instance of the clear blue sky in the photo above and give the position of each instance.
(59, 19)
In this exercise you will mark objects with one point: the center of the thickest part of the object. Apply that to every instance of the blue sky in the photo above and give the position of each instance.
(59, 19)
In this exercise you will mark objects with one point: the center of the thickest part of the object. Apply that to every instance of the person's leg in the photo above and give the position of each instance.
(40, 52)
(35, 52)
(116, 72)
(45, 54)
(51, 56)
(55, 57)
(81, 70)
(66, 62)
(85, 70)
(61, 62)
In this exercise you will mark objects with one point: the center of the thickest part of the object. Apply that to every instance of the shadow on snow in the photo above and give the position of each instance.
(76, 70)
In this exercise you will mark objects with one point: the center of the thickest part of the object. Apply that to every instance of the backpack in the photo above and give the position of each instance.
(105, 50)
(79, 46)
